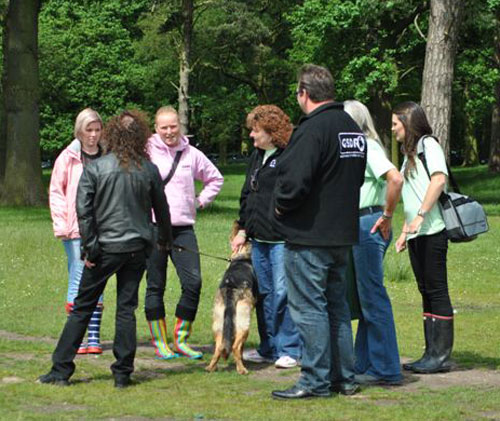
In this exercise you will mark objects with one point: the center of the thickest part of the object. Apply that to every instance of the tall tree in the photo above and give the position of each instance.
(439, 65)
(185, 63)
(22, 176)
(494, 161)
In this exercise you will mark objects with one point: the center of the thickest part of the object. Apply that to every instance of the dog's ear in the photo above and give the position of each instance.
(234, 230)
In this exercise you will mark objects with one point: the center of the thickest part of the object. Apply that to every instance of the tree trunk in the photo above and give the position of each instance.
(471, 153)
(184, 63)
(22, 182)
(439, 65)
(494, 161)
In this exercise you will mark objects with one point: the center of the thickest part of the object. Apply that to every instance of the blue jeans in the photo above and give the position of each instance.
(75, 268)
(318, 306)
(278, 334)
(376, 347)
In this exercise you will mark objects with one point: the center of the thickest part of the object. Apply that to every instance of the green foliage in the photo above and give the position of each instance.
(86, 60)
(366, 44)
(115, 54)
(476, 76)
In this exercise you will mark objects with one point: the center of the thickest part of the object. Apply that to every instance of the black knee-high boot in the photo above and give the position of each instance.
(427, 322)
(440, 347)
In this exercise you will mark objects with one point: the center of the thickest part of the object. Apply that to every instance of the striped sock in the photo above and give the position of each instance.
(94, 331)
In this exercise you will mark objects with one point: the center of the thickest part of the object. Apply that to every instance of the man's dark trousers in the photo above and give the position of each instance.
(129, 268)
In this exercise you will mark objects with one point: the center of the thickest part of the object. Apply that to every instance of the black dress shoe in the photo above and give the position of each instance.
(346, 389)
(293, 392)
(369, 380)
(122, 382)
(50, 378)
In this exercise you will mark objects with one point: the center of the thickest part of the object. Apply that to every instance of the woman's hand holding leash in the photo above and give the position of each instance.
(237, 242)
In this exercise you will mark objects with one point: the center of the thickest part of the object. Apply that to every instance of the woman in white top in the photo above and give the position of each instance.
(424, 232)
(376, 347)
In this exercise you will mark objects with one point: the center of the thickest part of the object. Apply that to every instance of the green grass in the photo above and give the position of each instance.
(33, 284)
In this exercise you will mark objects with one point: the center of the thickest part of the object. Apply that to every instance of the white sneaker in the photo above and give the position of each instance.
(286, 362)
(253, 356)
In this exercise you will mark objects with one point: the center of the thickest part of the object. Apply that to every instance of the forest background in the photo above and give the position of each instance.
(217, 59)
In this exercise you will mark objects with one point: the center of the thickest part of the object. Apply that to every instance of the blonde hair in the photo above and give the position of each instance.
(84, 118)
(168, 109)
(360, 114)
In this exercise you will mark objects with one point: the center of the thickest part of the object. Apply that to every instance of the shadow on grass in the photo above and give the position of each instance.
(468, 360)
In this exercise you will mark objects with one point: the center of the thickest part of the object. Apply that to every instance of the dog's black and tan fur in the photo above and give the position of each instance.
(234, 302)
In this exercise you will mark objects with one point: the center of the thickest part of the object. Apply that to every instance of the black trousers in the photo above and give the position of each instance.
(129, 268)
(428, 260)
(187, 265)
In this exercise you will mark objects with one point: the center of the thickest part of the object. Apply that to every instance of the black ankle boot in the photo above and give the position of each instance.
(440, 348)
(427, 321)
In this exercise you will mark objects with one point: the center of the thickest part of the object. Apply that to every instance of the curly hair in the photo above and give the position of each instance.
(272, 120)
(126, 135)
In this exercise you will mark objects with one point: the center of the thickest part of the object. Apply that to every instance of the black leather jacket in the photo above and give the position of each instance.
(114, 204)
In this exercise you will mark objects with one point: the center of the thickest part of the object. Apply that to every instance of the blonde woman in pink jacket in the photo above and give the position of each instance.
(192, 164)
(63, 186)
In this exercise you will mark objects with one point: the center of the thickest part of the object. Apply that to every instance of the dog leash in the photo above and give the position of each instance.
(179, 247)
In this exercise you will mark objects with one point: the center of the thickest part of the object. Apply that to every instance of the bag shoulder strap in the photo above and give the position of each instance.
(422, 158)
(174, 167)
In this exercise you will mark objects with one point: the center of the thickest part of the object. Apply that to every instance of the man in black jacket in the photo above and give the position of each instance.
(316, 205)
(114, 200)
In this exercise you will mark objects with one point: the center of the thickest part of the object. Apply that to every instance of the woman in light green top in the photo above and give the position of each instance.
(376, 347)
(424, 232)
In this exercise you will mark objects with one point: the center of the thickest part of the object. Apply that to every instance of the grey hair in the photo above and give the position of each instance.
(360, 114)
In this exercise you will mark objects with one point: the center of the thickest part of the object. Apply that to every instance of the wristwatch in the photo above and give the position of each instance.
(421, 213)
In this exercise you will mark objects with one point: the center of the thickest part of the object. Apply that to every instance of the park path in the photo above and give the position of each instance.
(146, 365)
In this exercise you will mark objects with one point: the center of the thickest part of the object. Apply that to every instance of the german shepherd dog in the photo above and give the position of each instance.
(234, 302)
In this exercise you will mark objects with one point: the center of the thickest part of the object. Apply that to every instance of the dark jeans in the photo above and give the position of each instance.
(428, 260)
(129, 268)
(187, 265)
(318, 306)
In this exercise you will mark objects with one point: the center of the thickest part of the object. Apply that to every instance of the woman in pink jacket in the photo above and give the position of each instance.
(63, 186)
(180, 164)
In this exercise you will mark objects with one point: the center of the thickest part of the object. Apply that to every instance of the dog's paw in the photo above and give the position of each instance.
(210, 369)
(242, 370)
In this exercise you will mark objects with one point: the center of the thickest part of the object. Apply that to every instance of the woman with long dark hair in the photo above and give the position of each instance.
(425, 173)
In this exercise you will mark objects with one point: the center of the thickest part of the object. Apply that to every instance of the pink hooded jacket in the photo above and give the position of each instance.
(66, 174)
(180, 190)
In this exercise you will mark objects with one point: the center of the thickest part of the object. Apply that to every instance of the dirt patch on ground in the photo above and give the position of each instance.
(149, 368)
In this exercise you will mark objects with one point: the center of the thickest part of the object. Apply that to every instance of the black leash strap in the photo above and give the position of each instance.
(176, 246)
(174, 167)
(452, 180)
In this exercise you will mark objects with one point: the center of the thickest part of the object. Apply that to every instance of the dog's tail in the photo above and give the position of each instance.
(228, 329)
